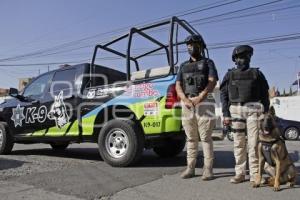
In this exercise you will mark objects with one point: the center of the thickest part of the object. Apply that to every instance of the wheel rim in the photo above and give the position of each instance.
(292, 133)
(116, 143)
(1, 138)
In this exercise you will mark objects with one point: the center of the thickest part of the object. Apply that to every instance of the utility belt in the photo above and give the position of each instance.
(237, 104)
(191, 95)
(209, 96)
(244, 103)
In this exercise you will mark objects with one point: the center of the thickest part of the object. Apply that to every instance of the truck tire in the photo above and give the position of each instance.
(121, 143)
(6, 140)
(170, 148)
(59, 146)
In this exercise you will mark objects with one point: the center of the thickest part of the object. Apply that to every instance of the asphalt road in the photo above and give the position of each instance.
(38, 172)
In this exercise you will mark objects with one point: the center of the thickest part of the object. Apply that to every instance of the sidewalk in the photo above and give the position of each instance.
(173, 187)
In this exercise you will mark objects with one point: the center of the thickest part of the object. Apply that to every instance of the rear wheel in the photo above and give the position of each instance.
(121, 143)
(291, 133)
(59, 146)
(170, 147)
(6, 141)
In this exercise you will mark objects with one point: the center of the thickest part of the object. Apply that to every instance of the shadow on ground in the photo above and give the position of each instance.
(74, 153)
(10, 163)
(223, 159)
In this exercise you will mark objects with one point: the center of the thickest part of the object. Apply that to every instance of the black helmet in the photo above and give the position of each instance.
(241, 49)
(195, 38)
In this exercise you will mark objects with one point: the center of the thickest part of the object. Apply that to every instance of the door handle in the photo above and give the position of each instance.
(35, 102)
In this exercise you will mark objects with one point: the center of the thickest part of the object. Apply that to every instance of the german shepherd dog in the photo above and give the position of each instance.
(272, 149)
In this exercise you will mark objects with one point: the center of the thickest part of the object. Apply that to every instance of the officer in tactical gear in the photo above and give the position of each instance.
(196, 78)
(244, 97)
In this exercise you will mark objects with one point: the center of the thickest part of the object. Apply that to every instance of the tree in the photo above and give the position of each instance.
(277, 93)
(291, 92)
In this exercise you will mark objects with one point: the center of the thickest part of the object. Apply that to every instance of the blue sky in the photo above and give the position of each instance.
(31, 25)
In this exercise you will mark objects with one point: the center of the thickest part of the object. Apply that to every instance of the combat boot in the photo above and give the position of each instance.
(190, 170)
(237, 179)
(188, 173)
(207, 174)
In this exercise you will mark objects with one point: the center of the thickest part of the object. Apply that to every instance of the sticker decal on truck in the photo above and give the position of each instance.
(58, 111)
(18, 115)
(151, 108)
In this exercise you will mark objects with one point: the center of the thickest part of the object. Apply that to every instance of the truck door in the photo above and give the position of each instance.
(61, 103)
(26, 116)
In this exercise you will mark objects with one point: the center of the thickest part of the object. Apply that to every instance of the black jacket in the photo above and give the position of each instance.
(264, 93)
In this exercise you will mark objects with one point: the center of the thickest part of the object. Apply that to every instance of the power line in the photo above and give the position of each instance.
(223, 45)
(247, 15)
(237, 11)
(64, 45)
(196, 21)
(44, 64)
(218, 20)
(41, 54)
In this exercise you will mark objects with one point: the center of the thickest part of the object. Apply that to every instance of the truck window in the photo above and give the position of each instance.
(63, 80)
(38, 86)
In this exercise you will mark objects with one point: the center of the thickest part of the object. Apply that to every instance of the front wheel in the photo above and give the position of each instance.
(6, 141)
(121, 143)
(171, 147)
(291, 133)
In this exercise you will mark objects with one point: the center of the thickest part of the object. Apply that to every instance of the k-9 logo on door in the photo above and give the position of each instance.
(32, 115)
(58, 111)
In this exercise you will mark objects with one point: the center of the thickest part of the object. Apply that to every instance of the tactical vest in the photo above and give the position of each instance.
(243, 86)
(266, 152)
(267, 148)
(195, 77)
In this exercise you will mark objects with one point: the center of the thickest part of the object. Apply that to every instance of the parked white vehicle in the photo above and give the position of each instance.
(287, 107)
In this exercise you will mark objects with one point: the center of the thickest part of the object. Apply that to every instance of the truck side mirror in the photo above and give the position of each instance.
(13, 92)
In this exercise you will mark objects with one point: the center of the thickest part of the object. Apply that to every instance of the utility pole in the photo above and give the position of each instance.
(298, 81)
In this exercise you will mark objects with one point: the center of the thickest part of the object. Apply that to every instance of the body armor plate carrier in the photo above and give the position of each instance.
(195, 77)
(244, 86)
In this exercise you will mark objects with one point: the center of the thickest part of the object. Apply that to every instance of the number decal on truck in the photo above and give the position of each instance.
(151, 124)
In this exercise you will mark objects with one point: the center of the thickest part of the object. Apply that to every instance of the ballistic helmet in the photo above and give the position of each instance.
(241, 49)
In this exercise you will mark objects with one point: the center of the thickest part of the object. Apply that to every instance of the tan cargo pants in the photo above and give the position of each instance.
(246, 118)
(198, 124)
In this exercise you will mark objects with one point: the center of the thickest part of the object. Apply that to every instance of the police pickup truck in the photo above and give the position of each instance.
(124, 112)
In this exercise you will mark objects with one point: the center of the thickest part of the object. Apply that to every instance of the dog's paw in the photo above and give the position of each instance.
(290, 184)
(276, 188)
(255, 185)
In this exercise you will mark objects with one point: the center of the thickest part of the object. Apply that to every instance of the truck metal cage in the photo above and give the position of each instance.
(174, 23)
